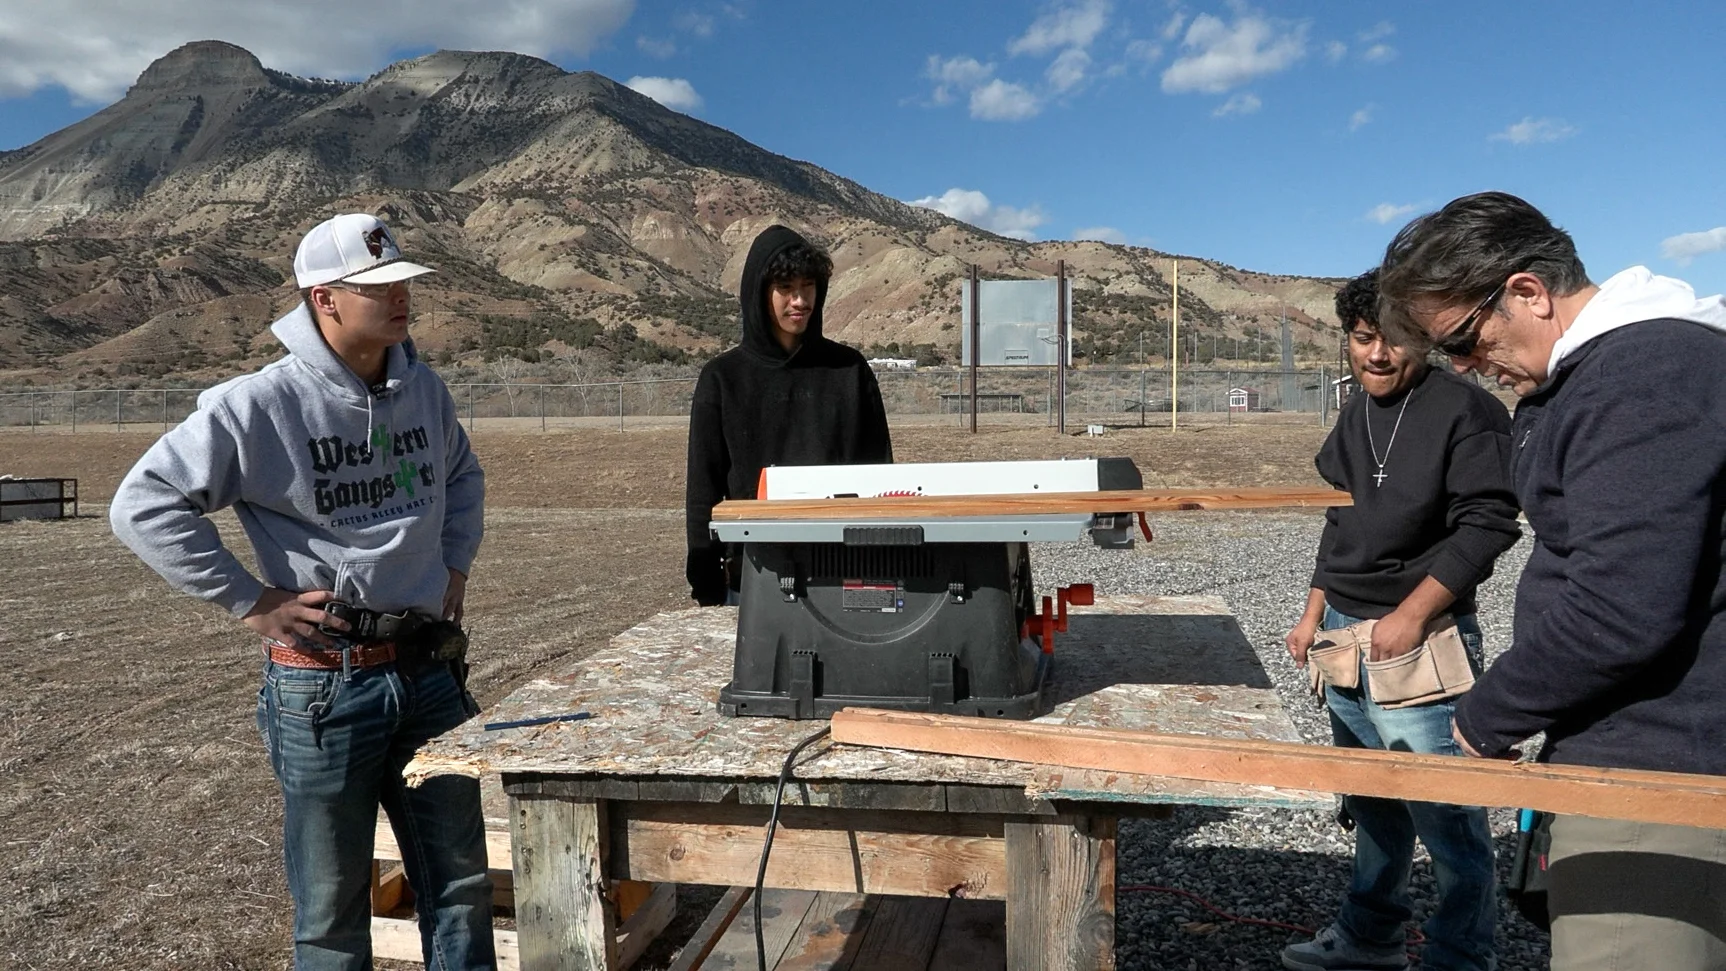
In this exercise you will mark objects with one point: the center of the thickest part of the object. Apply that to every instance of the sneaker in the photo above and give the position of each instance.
(1332, 950)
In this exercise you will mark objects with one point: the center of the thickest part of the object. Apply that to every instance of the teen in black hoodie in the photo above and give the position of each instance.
(784, 396)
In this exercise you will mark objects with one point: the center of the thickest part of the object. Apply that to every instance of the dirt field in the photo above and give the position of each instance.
(142, 825)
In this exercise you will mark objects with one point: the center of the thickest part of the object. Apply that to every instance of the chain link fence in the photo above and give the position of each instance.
(1005, 396)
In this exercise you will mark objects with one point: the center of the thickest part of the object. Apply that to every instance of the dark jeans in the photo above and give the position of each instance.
(1459, 934)
(338, 747)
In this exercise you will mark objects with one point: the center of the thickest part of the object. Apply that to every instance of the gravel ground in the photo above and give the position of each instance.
(1283, 865)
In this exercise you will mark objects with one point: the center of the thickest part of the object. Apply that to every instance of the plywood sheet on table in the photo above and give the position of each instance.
(1177, 664)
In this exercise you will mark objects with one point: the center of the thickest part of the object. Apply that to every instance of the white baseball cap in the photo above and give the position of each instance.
(353, 248)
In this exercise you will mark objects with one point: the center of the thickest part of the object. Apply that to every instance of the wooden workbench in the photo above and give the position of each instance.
(657, 786)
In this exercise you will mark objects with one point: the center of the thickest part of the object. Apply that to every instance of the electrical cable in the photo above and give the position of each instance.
(767, 846)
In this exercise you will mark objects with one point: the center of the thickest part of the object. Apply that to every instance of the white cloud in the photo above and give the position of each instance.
(1218, 56)
(1531, 130)
(1067, 71)
(1003, 101)
(1687, 246)
(1361, 117)
(1379, 53)
(1244, 103)
(1101, 234)
(699, 24)
(1071, 25)
(1384, 212)
(1377, 32)
(1172, 29)
(971, 206)
(674, 93)
(962, 73)
(1335, 51)
(97, 48)
(661, 48)
(1144, 51)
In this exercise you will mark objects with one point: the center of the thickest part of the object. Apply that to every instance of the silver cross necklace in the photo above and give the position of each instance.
(1378, 480)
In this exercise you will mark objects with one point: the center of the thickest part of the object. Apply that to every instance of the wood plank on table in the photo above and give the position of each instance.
(1630, 794)
(839, 850)
(565, 921)
(1026, 504)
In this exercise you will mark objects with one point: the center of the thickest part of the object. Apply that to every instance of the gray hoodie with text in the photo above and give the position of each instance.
(369, 494)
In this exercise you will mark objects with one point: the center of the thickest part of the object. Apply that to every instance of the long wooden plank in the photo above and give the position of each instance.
(396, 939)
(831, 934)
(902, 934)
(973, 937)
(840, 850)
(1642, 796)
(1027, 504)
(497, 847)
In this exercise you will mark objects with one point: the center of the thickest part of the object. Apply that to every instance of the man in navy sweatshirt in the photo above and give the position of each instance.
(785, 395)
(1425, 455)
(363, 503)
(1619, 460)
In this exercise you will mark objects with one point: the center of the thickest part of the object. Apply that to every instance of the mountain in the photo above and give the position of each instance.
(155, 237)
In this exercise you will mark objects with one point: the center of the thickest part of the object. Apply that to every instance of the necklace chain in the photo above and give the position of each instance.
(1380, 477)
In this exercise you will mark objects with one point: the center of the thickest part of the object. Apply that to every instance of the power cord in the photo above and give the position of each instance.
(767, 847)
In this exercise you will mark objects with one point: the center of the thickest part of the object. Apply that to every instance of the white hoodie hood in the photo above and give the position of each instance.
(1632, 297)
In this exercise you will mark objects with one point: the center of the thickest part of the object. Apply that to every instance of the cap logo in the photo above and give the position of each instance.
(377, 239)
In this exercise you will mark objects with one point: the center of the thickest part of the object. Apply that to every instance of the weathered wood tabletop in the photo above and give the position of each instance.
(1165, 664)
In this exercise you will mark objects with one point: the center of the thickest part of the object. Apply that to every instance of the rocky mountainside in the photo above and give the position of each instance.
(569, 216)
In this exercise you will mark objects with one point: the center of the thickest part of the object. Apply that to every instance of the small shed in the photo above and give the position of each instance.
(1243, 399)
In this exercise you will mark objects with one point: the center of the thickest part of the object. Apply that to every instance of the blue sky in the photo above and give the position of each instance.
(1283, 137)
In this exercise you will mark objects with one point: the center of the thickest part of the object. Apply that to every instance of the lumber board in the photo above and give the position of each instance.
(831, 933)
(1027, 504)
(902, 934)
(651, 916)
(497, 848)
(707, 936)
(1626, 794)
(838, 850)
(398, 938)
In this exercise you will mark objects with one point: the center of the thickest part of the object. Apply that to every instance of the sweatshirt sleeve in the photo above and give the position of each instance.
(464, 494)
(877, 439)
(160, 510)
(1482, 514)
(705, 485)
(1642, 452)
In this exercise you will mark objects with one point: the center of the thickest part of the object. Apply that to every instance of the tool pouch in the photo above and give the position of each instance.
(435, 642)
(1436, 669)
(1334, 659)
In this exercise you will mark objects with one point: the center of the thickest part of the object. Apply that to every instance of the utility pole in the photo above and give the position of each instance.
(1174, 354)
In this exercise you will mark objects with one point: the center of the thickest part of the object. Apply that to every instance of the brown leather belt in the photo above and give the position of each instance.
(368, 655)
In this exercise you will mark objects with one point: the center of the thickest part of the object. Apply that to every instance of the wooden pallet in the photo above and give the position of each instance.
(644, 909)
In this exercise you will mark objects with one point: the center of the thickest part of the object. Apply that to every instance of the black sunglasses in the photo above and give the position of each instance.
(1461, 340)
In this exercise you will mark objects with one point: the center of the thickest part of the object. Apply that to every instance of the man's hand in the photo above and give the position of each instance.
(1300, 641)
(1395, 635)
(454, 595)
(282, 616)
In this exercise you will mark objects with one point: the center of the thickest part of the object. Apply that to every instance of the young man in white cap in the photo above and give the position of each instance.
(363, 502)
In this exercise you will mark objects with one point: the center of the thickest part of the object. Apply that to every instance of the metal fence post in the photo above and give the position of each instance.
(470, 407)
(119, 399)
(74, 411)
(620, 406)
(32, 412)
(164, 409)
(542, 408)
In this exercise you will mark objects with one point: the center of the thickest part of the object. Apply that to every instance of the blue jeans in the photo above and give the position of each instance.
(338, 747)
(1459, 933)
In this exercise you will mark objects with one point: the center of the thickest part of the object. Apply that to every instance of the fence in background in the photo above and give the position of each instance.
(1094, 395)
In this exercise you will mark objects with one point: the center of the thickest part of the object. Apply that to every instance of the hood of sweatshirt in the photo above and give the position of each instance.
(752, 295)
(1631, 297)
(298, 333)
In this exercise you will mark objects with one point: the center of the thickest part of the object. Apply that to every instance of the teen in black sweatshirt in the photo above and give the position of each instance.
(785, 395)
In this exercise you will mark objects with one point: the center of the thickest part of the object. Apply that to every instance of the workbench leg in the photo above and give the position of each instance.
(1061, 893)
(564, 919)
